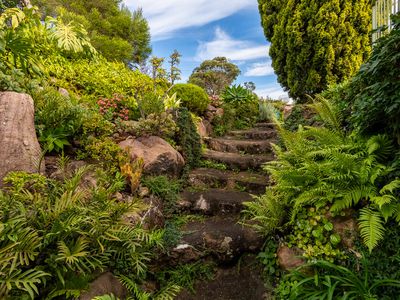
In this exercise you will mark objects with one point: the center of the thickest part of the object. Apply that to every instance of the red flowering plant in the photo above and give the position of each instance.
(114, 108)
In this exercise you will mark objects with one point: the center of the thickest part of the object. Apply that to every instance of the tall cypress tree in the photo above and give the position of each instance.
(315, 43)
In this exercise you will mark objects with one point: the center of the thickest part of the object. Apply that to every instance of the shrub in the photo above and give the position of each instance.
(113, 108)
(188, 139)
(321, 165)
(375, 90)
(56, 238)
(99, 78)
(192, 96)
(58, 119)
(162, 125)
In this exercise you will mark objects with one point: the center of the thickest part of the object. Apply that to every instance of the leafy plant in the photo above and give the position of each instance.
(374, 91)
(192, 97)
(54, 238)
(162, 125)
(185, 275)
(331, 281)
(113, 108)
(165, 188)
(321, 165)
(188, 139)
(237, 95)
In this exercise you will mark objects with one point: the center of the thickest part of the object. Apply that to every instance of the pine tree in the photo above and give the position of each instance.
(315, 43)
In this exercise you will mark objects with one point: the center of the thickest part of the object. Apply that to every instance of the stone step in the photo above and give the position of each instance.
(238, 282)
(221, 238)
(265, 125)
(237, 160)
(214, 201)
(239, 146)
(253, 134)
(211, 178)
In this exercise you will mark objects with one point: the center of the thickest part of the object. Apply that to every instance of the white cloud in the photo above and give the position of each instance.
(224, 45)
(259, 69)
(272, 91)
(168, 16)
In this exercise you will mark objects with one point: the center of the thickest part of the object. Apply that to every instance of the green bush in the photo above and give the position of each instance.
(321, 166)
(55, 238)
(99, 78)
(375, 90)
(188, 139)
(192, 96)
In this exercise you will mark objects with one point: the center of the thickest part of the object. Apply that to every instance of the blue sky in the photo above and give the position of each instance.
(204, 29)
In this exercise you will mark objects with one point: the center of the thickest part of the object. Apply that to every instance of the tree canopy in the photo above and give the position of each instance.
(115, 31)
(214, 75)
(316, 43)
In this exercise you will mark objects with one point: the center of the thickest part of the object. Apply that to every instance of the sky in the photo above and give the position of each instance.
(204, 29)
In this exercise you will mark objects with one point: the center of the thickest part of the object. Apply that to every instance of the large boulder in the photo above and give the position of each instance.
(290, 258)
(20, 149)
(105, 284)
(159, 157)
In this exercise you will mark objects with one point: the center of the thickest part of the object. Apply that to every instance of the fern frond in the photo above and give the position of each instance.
(168, 293)
(390, 187)
(133, 287)
(26, 281)
(371, 227)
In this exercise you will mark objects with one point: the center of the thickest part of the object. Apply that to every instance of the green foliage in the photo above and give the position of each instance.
(299, 116)
(185, 275)
(313, 233)
(193, 97)
(315, 44)
(162, 125)
(268, 111)
(212, 165)
(54, 236)
(374, 92)
(58, 119)
(269, 259)
(331, 281)
(318, 166)
(105, 151)
(165, 188)
(188, 139)
(237, 95)
(236, 116)
(99, 78)
(174, 71)
(116, 32)
(215, 75)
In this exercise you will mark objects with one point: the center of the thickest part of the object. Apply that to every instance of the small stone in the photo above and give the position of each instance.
(143, 191)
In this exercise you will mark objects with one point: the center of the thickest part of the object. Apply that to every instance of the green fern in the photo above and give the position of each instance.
(371, 227)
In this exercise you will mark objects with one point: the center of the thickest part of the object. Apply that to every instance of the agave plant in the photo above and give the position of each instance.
(237, 94)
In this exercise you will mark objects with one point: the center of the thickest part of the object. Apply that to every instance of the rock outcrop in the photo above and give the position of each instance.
(19, 146)
(159, 156)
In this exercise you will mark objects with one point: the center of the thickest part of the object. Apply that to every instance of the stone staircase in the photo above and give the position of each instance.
(218, 196)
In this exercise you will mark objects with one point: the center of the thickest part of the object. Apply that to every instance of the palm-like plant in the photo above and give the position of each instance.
(61, 234)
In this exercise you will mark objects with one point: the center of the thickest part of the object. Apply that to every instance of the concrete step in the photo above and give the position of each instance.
(214, 201)
(211, 178)
(237, 160)
(253, 134)
(222, 238)
(239, 146)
